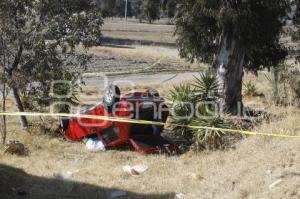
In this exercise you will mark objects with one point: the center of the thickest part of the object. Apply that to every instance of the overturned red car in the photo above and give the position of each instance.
(145, 106)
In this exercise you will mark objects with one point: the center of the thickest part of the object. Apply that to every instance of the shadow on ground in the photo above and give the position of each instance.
(118, 42)
(116, 46)
(16, 184)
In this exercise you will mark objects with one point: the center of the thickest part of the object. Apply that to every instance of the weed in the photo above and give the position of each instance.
(250, 89)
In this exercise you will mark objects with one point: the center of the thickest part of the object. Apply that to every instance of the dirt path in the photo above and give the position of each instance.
(139, 79)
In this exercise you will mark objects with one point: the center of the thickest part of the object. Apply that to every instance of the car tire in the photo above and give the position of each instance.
(153, 93)
(111, 95)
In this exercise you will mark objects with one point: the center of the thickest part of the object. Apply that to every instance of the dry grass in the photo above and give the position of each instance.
(148, 52)
(244, 172)
(157, 33)
(137, 33)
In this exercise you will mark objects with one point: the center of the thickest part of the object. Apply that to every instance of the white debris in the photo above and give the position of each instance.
(179, 196)
(95, 145)
(65, 175)
(275, 183)
(135, 170)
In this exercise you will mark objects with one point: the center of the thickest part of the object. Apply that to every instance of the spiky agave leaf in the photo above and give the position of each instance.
(206, 86)
(182, 98)
(209, 138)
(182, 93)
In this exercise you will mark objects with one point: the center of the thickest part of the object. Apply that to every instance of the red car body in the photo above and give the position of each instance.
(137, 105)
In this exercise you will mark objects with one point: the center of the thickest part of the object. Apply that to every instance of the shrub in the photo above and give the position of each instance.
(204, 89)
(182, 113)
(250, 89)
(209, 138)
(206, 86)
(294, 82)
(285, 82)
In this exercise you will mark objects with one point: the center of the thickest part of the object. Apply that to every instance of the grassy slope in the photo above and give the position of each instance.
(244, 172)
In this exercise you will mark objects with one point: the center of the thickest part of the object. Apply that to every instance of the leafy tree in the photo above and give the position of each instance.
(151, 10)
(294, 16)
(232, 35)
(169, 6)
(136, 6)
(120, 8)
(107, 7)
(40, 38)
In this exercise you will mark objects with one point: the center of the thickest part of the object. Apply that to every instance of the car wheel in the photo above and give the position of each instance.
(153, 93)
(111, 95)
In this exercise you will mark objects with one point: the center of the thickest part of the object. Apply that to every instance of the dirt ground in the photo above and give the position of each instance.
(256, 167)
(134, 47)
(137, 33)
(138, 59)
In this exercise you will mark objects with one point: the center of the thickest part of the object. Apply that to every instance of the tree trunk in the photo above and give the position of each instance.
(16, 95)
(229, 65)
(274, 79)
(4, 109)
(19, 105)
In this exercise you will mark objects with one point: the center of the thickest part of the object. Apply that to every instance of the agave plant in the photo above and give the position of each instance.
(182, 93)
(209, 138)
(182, 98)
(206, 86)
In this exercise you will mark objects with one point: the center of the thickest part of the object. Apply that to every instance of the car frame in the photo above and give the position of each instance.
(137, 106)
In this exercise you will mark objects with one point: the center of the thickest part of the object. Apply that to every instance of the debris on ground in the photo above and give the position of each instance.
(95, 145)
(135, 170)
(274, 184)
(116, 194)
(66, 175)
(15, 147)
(179, 196)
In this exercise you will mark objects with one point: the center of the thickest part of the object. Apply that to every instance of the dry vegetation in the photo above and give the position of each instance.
(136, 32)
(244, 172)
(257, 167)
(137, 48)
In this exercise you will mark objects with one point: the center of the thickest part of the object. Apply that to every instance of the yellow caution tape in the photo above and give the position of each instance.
(132, 121)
